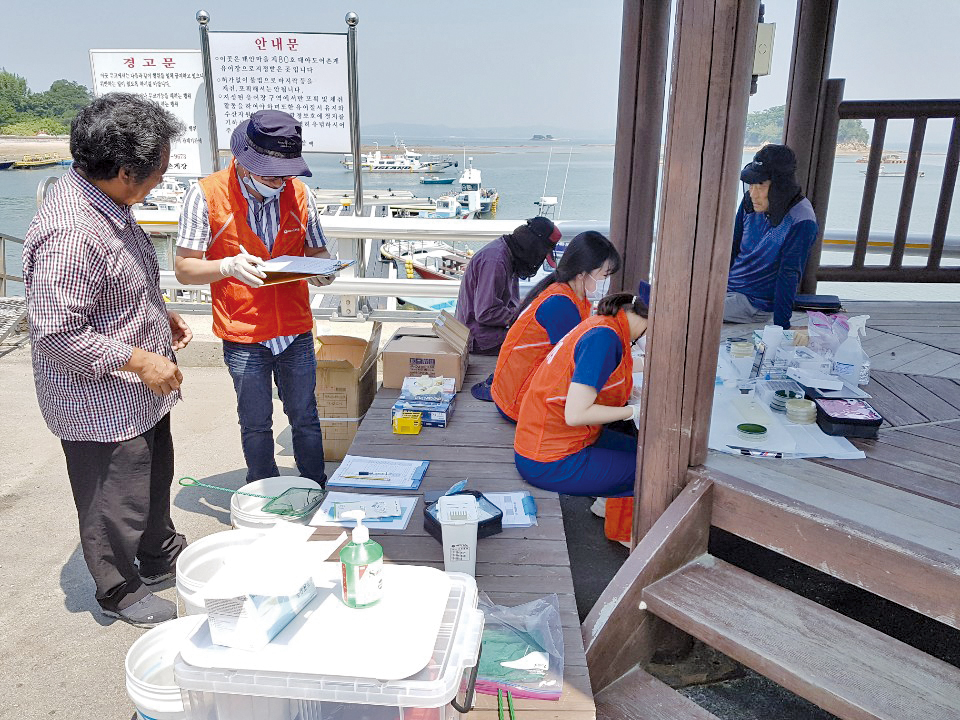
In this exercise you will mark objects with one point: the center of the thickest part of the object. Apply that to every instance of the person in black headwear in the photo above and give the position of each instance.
(490, 290)
(774, 231)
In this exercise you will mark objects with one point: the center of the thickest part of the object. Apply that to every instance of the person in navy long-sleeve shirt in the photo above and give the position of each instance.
(773, 233)
(490, 289)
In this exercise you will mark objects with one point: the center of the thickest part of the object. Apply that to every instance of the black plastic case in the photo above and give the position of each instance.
(839, 417)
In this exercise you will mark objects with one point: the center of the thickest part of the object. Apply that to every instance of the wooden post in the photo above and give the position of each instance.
(643, 72)
(712, 62)
(806, 95)
(823, 180)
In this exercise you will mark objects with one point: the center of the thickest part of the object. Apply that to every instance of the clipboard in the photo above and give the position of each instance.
(276, 277)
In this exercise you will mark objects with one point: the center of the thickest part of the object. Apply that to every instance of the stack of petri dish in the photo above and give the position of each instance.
(778, 402)
(752, 432)
(801, 412)
(741, 349)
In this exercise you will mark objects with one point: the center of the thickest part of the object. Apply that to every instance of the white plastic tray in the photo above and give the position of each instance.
(392, 640)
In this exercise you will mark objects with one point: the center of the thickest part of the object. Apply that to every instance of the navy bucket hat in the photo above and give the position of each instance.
(270, 144)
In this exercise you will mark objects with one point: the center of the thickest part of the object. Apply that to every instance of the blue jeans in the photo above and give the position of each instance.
(253, 368)
(605, 469)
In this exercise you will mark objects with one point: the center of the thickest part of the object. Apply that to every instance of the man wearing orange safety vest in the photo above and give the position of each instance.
(232, 222)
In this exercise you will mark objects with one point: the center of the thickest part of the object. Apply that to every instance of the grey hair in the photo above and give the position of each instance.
(120, 130)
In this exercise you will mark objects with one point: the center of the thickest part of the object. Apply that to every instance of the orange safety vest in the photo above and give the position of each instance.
(542, 432)
(618, 523)
(526, 345)
(242, 313)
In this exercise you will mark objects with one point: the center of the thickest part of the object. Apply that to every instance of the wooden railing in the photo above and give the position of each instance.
(880, 112)
(4, 239)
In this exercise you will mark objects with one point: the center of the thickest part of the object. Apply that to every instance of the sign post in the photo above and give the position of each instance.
(203, 18)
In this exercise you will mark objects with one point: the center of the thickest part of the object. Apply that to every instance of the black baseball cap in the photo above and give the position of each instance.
(770, 162)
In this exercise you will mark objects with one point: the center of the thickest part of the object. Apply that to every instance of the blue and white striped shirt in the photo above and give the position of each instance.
(262, 217)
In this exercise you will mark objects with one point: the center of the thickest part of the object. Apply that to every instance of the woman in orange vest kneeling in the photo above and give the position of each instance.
(554, 307)
(583, 384)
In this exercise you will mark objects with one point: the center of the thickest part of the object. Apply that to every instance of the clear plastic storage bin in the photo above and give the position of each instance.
(225, 694)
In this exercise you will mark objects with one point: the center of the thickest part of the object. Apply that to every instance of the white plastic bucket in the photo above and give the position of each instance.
(201, 560)
(247, 512)
(149, 667)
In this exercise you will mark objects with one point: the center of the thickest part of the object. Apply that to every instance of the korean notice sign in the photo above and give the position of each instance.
(172, 78)
(304, 74)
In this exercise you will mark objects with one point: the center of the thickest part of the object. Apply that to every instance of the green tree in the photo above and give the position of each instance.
(852, 131)
(14, 90)
(62, 101)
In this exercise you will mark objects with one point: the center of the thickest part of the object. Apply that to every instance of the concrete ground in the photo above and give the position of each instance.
(60, 657)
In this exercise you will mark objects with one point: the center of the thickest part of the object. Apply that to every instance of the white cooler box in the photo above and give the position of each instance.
(262, 694)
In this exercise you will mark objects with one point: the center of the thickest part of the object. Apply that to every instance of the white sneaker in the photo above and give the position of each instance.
(599, 507)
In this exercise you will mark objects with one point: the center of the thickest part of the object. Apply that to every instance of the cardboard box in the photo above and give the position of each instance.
(346, 384)
(435, 414)
(438, 350)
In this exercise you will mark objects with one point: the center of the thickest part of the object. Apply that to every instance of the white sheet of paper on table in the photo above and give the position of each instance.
(322, 516)
(388, 473)
(511, 505)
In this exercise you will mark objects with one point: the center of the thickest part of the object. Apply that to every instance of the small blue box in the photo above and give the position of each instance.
(435, 414)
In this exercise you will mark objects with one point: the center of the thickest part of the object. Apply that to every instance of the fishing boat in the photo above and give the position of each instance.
(489, 198)
(6, 164)
(887, 173)
(37, 161)
(427, 259)
(158, 216)
(408, 161)
(437, 180)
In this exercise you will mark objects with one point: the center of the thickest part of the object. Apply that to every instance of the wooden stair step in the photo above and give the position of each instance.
(638, 695)
(848, 669)
(894, 544)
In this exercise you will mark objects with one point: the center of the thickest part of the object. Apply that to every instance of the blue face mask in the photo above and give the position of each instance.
(265, 191)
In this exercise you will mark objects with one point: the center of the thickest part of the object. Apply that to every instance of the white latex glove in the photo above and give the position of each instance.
(636, 414)
(245, 268)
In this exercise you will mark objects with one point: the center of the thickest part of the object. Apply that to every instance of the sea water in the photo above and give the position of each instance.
(580, 174)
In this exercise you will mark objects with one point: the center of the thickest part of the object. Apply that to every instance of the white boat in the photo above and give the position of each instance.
(885, 173)
(158, 216)
(409, 161)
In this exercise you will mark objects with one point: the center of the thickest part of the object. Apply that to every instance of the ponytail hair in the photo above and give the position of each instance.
(613, 304)
(587, 252)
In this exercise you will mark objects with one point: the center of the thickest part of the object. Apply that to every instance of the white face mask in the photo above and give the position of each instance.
(265, 191)
(600, 288)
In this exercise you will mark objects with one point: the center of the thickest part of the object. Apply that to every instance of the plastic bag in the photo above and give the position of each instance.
(522, 649)
(826, 332)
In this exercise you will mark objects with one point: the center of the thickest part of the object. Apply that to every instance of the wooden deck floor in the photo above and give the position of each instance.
(513, 567)
(907, 489)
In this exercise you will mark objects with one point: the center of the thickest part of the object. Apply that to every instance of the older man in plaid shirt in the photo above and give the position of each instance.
(103, 346)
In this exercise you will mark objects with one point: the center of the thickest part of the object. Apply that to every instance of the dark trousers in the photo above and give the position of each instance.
(122, 494)
(254, 368)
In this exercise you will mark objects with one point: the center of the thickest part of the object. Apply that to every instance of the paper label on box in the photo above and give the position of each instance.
(422, 366)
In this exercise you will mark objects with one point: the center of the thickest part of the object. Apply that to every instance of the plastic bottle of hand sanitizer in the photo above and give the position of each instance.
(361, 566)
(850, 363)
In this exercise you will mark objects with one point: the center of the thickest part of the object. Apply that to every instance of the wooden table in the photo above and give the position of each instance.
(514, 567)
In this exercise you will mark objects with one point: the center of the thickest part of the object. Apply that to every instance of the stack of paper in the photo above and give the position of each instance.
(368, 472)
(327, 512)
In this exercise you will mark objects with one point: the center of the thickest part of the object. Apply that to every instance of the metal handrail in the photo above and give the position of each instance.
(4, 277)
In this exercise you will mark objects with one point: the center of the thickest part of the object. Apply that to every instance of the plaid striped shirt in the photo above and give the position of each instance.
(262, 217)
(92, 286)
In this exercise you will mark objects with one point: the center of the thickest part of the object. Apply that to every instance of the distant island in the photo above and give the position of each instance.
(766, 126)
(542, 137)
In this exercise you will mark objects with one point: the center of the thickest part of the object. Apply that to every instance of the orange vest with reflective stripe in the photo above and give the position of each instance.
(542, 432)
(242, 313)
(526, 345)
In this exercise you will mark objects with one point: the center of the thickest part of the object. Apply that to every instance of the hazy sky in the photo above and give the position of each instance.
(549, 63)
